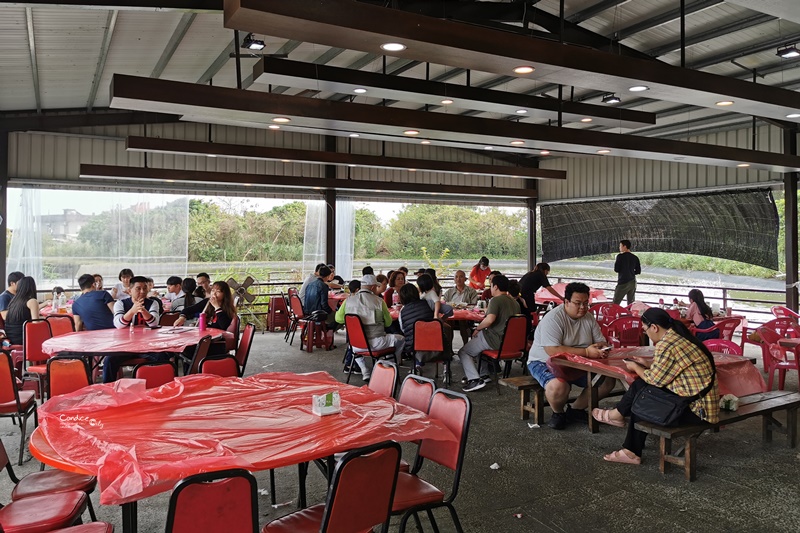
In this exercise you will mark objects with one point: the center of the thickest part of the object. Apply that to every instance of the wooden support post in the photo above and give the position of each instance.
(532, 260)
(330, 201)
(3, 202)
(594, 425)
(790, 218)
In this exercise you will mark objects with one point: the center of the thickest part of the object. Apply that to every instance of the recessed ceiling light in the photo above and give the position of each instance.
(488, 148)
(587, 119)
(424, 142)
(286, 160)
(247, 184)
(544, 152)
(604, 151)
(360, 90)
(170, 181)
(793, 115)
(638, 88)
(743, 165)
(274, 127)
(517, 143)
(351, 166)
(355, 135)
(411, 132)
(281, 120)
(447, 101)
(521, 111)
(724, 103)
(212, 155)
(412, 169)
(525, 69)
(393, 47)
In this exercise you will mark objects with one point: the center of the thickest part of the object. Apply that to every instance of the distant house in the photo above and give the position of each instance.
(64, 227)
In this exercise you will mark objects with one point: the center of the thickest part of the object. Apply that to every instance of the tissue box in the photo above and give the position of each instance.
(729, 402)
(326, 404)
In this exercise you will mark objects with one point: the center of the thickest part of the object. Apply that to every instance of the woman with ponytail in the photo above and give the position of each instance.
(700, 314)
(680, 364)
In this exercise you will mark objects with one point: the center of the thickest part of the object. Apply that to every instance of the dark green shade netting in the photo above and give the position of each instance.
(742, 226)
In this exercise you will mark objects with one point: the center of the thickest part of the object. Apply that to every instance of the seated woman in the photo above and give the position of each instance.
(682, 364)
(218, 309)
(414, 309)
(383, 282)
(700, 314)
(396, 282)
(427, 292)
(122, 290)
(23, 307)
(188, 286)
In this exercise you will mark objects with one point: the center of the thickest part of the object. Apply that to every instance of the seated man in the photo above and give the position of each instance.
(375, 317)
(94, 309)
(336, 282)
(462, 294)
(488, 334)
(311, 277)
(316, 298)
(487, 293)
(136, 311)
(174, 289)
(8, 294)
(568, 328)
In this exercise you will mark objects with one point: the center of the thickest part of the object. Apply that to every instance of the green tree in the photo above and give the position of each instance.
(368, 234)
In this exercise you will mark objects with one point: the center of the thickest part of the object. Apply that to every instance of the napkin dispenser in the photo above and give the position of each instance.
(326, 404)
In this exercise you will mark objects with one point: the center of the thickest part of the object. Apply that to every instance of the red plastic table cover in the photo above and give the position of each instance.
(458, 314)
(544, 296)
(138, 340)
(140, 442)
(736, 375)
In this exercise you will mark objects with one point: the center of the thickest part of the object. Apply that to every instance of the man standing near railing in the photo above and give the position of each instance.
(627, 268)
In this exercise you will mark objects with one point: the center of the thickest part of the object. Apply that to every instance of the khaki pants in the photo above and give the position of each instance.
(625, 290)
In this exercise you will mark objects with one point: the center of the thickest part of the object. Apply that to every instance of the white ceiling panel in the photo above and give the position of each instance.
(201, 46)
(16, 80)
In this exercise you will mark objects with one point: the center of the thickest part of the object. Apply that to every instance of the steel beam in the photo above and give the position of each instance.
(34, 65)
(50, 122)
(330, 202)
(177, 36)
(704, 36)
(790, 221)
(594, 9)
(220, 61)
(196, 6)
(663, 18)
(111, 23)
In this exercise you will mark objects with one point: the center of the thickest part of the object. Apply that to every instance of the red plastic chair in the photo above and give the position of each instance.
(413, 494)
(781, 311)
(512, 347)
(357, 338)
(224, 366)
(215, 501)
(61, 324)
(723, 346)
(725, 327)
(624, 331)
(155, 374)
(608, 312)
(384, 378)
(48, 482)
(428, 337)
(416, 392)
(311, 333)
(168, 319)
(231, 344)
(14, 402)
(34, 333)
(65, 375)
(785, 327)
(200, 353)
(43, 513)
(359, 498)
(243, 350)
(778, 357)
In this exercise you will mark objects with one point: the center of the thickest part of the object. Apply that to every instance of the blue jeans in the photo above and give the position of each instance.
(542, 374)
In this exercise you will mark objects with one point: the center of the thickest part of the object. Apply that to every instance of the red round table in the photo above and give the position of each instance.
(127, 341)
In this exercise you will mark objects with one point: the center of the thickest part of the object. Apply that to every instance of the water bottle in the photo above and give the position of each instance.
(395, 298)
(54, 305)
(201, 322)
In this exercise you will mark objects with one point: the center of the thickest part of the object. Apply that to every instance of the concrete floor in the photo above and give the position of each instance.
(556, 481)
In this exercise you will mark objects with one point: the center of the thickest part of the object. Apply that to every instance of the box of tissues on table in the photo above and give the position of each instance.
(326, 404)
(729, 402)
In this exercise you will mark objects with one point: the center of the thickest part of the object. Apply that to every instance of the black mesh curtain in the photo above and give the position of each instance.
(742, 226)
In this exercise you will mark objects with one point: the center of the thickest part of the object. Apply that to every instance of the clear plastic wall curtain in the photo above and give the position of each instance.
(314, 243)
(98, 233)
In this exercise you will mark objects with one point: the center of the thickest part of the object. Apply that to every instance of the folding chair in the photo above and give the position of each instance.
(357, 338)
(66, 374)
(200, 353)
(384, 378)
(34, 333)
(416, 392)
(43, 513)
(16, 403)
(512, 347)
(215, 501)
(359, 498)
(155, 374)
(428, 337)
(413, 494)
(48, 482)
(243, 350)
(225, 366)
(61, 324)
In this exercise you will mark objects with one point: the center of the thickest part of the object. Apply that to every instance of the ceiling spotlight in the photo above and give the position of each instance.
(525, 69)
(517, 143)
(411, 132)
(587, 119)
(355, 135)
(544, 152)
(488, 148)
(789, 51)
(393, 47)
(424, 142)
(447, 101)
(725, 103)
(252, 43)
(611, 98)
(793, 115)
(360, 90)
(604, 151)
(274, 127)
(743, 165)
(521, 111)
(281, 120)
(638, 88)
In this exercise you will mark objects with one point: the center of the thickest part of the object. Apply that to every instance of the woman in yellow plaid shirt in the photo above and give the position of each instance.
(681, 363)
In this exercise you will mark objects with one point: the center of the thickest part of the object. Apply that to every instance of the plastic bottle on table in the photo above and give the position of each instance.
(395, 298)
(201, 322)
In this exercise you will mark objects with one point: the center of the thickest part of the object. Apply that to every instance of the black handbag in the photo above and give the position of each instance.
(661, 406)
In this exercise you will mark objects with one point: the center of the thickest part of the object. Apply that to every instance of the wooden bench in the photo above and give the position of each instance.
(763, 404)
(525, 385)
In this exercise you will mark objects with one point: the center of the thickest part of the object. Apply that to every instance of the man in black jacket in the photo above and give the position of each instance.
(627, 268)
